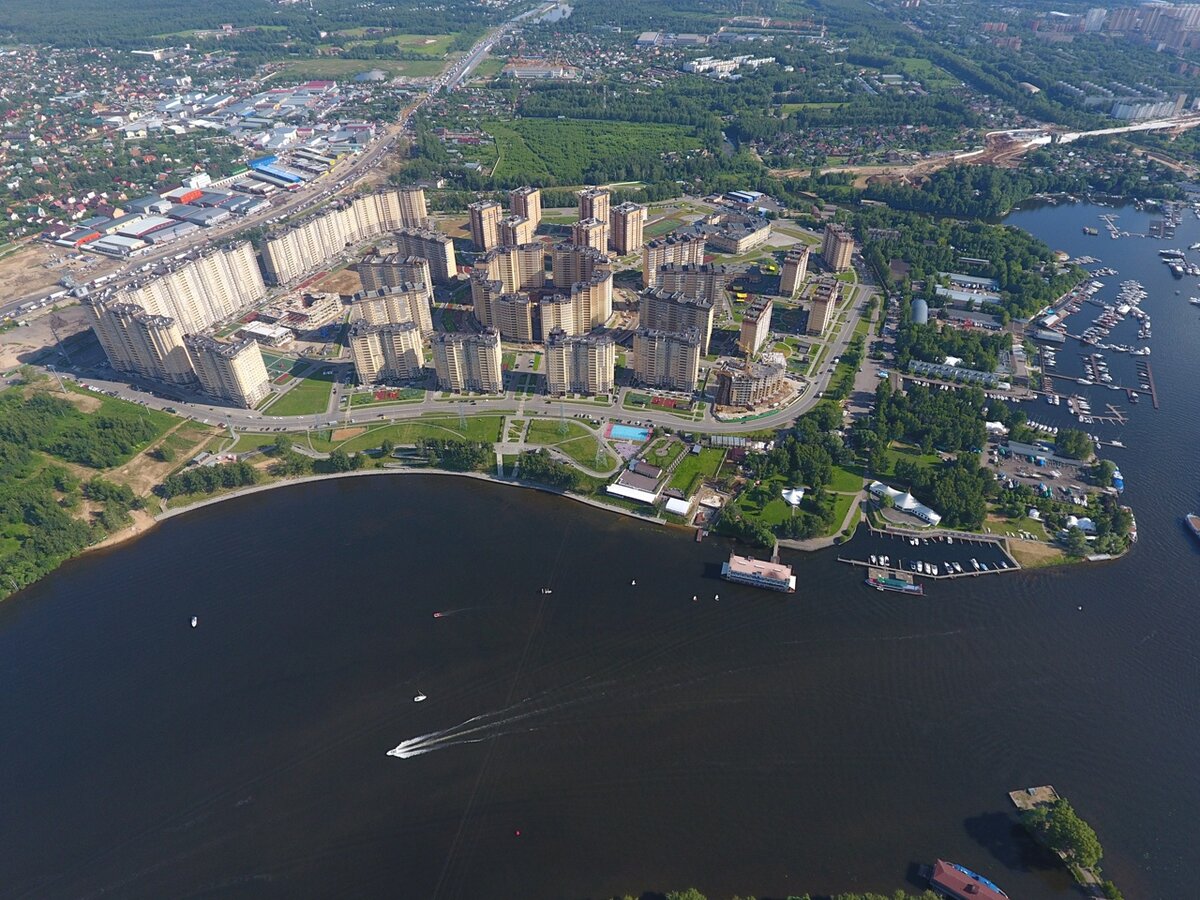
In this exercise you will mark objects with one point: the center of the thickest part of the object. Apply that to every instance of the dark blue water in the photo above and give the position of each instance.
(826, 741)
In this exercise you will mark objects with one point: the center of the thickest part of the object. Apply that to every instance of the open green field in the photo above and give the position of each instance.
(764, 502)
(898, 451)
(489, 68)
(432, 44)
(788, 108)
(562, 151)
(695, 468)
(337, 68)
(661, 227)
(485, 429)
(579, 443)
(664, 451)
(845, 480)
(309, 397)
(841, 506)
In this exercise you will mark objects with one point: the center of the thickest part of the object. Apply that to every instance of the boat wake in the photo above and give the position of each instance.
(476, 729)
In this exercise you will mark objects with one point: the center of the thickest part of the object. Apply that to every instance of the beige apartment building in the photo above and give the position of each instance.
(202, 290)
(434, 246)
(667, 359)
(595, 203)
(512, 316)
(837, 247)
(580, 364)
(140, 343)
(518, 268)
(673, 311)
(795, 270)
(756, 325)
(570, 263)
(485, 223)
(825, 299)
(515, 230)
(679, 249)
(377, 271)
(706, 281)
(397, 303)
(527, 201)
(312, 243)
(413, 212)
(747, 384)
(591, 233)
(392, 351)
(468, 362)
(229, 371)
(625, 227)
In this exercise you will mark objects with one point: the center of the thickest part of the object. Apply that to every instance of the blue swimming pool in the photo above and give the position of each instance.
(628, 433)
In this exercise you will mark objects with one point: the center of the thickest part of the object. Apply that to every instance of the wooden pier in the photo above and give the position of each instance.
(1144, 367)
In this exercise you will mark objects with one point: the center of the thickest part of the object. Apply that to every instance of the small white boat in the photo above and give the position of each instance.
(420, 698)
(547, 591)
(195, 621)
(633, 583)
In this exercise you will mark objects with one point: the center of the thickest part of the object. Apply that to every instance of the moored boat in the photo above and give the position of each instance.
(899, 585)
(952, 880)
(759, 573)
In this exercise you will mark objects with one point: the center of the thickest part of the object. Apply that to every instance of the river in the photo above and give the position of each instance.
(608, 737)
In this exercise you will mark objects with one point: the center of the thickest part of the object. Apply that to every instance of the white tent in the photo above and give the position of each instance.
(793, 496)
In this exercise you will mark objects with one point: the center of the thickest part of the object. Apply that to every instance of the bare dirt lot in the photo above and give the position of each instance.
(17, 344)
(345, 282)
(25, 271)
(344, 434)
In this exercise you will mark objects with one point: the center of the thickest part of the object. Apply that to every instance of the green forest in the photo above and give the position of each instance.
(40, 498)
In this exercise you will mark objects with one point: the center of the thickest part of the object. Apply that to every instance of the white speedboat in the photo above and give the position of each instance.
(195, 621)
(420, 698)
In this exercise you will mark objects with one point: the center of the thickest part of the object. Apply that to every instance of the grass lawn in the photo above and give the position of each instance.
(251, 440)
(489, 68)
(845, 480)
(334, 67)
(764, 503)
(789, 108)
(695, 468)
(432, 44)
(406, 395)
(663, 452)
(579, 443)
(898, 451)
(1001, 525)
(485, 429)
(309, 396)
(841, 506)
(661, 227)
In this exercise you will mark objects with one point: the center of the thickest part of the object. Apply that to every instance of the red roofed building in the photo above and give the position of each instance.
(960, 883)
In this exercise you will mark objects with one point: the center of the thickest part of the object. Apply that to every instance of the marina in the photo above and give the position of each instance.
(902, 554)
